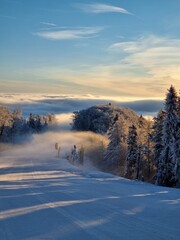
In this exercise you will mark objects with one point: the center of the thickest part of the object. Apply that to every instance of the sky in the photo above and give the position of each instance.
(121, 48)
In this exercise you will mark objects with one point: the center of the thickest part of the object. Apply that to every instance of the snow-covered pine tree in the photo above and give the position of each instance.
(5, 122)
(131, 162)
(114, 150)
(165, 172)
(75, 156)
(177, 146)
(81, 155)
(157, 136)
(146, 149)
(18, 127)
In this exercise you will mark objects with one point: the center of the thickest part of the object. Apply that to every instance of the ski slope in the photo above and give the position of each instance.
(47, 198)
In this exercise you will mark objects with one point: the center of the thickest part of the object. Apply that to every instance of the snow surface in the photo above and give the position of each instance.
(47, 198)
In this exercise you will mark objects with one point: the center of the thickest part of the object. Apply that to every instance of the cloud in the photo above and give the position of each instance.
(64, 105)
(7, 17)
(137, 69)
(152, 57)
(70, 34)
(150, 51)
(102, 8)
(150, 107)
(49, 24)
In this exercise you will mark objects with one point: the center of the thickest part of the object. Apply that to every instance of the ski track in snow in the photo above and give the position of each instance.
(50, 199)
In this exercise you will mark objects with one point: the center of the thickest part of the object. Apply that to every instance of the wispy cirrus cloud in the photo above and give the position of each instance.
(7, 17)
(159, 56)
(102, 8)
(146, 42)
(49, 24)
(70, 34)
(154, 58)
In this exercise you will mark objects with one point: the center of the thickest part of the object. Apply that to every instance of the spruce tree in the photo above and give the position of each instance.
(165, 172)
(117, 138)
(132, 156)
(157, 136)
(177, 146)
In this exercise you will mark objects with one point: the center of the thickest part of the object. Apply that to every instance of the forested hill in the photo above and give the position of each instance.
(117, 123)
(138, 148)
(100, 118)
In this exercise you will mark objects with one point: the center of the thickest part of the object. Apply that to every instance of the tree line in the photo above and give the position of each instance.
(13, 125)
(147, 150)
(166, 138)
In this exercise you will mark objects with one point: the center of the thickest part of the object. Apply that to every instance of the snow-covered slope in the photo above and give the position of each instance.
(47, 198)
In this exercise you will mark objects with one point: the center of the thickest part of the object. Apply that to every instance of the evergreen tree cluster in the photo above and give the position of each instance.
(117, 121)
(95, 119)
(166, 140)
(39, 123)
(101, 118)
(138, 148)
(13, 125)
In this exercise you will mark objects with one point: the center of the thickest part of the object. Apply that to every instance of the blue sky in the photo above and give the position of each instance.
(121, 48)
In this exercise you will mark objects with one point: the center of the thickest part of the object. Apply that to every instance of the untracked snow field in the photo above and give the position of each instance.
(47, 198)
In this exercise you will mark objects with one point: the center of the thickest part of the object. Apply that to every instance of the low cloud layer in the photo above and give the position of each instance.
(42, 146)
(65, 105)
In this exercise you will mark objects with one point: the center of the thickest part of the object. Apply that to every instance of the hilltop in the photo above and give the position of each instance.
(99, 118)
